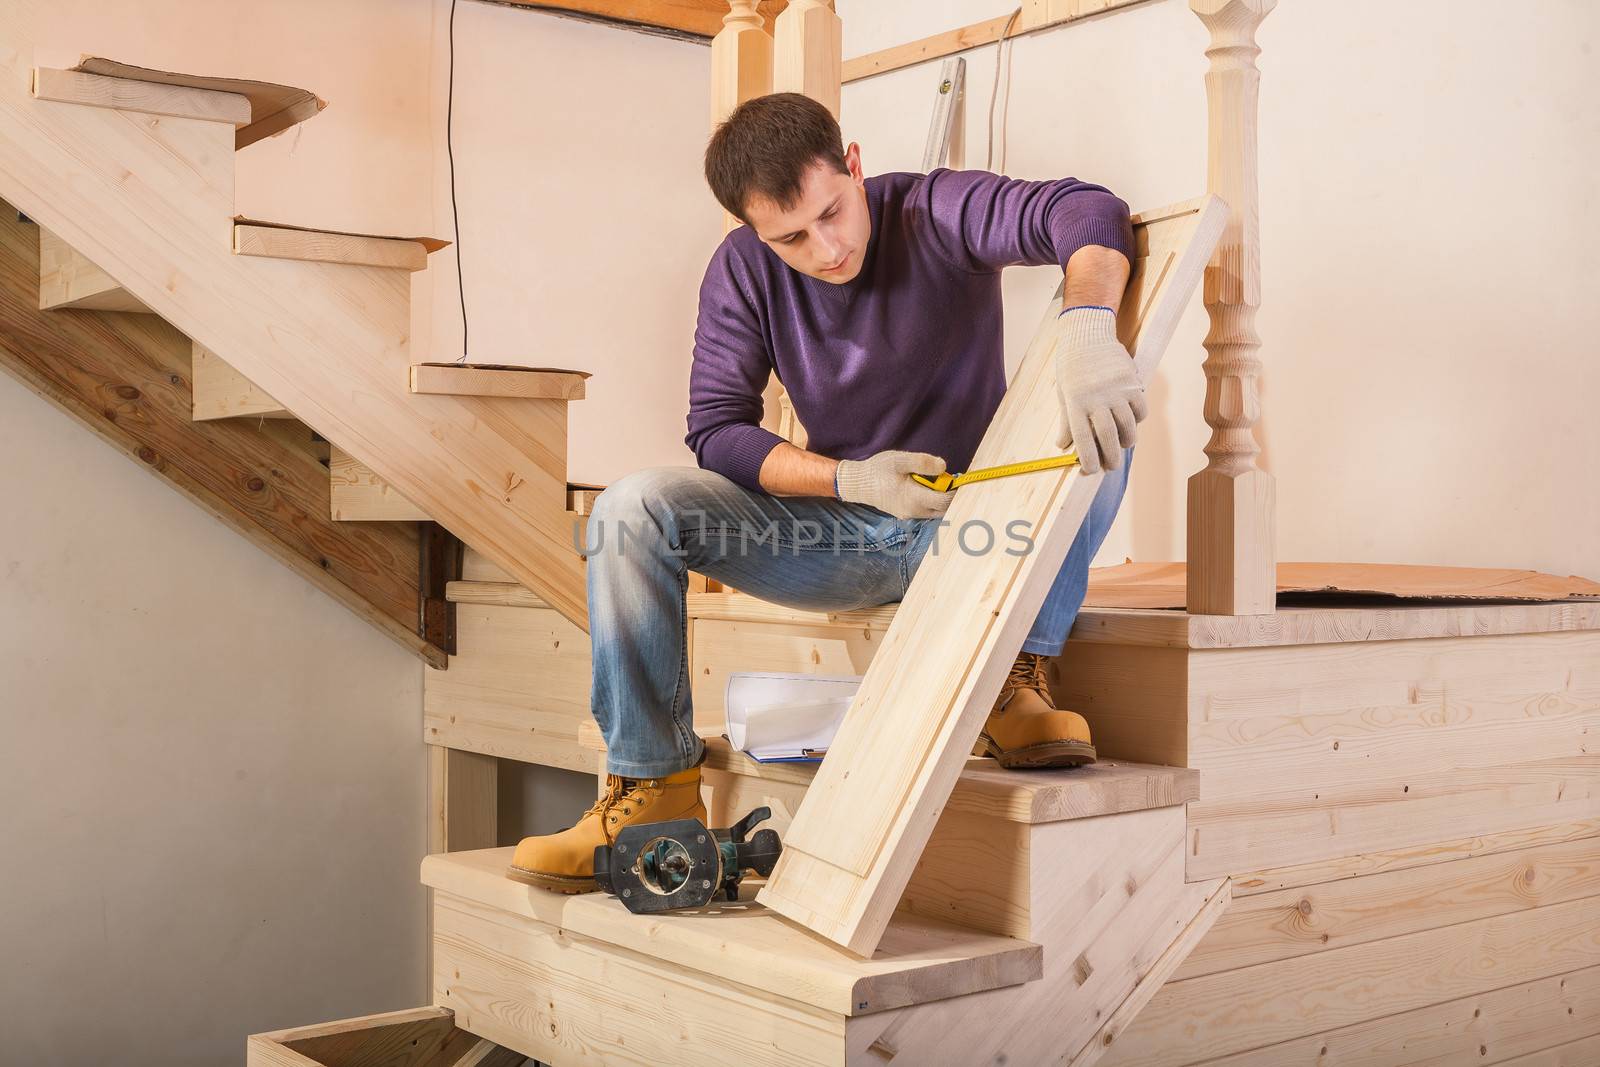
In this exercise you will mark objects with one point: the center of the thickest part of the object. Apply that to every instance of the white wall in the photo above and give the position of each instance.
(211, 774)
(1428, 227)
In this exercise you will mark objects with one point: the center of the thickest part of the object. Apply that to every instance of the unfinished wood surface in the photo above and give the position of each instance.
(126, 378)
(94, 90)
(357, 494)
(150, 201)
(484, 379)
(701, 18)
(1224, 1014)
(69, 280)
(912, 724)
(517, 688)
(806, 53)
(742, 944)
(1232, 502)
(323, 246)
(1281, 830)
(1285, 923)
(1032, 16)
(415, 1037)
(273, 108)
(463, 811)
(220, 392)
(719, 648)
(500, 594)
(1328, 625)
(1110, 904)
(1501, 1026)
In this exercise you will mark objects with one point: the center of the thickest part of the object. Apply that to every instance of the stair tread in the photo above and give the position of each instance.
(279, 240)
(273, 107)
(1109, 787)
(498, 379)
(918, 960)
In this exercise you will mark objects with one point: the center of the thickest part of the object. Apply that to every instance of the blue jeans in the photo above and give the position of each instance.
(650, 528)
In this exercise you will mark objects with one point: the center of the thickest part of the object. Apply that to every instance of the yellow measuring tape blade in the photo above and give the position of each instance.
(945, 483)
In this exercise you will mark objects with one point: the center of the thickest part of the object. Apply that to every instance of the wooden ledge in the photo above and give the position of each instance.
(252, 237)
(916, 962)
(985, 788)
(496, 379)
(272, 108)
(175, 101)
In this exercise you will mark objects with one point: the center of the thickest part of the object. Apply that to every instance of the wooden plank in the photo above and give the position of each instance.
(1243, 835)
(408, 1038)
(1032, 17)
(126, 378)
(93, 90)
(1485, 1028)
(1281, 925)
(68, 280)
(357, 494)
(463, 809)
(149, 200)
(1300, 720)
(1582, 1053)
(1330, 625)
(518, 688)
(745, 946)
(483, 379)
(273, 108)
(698, 18)
(503, 594)
(323, 246)
(220, 392)
(913, 722)
(1235, 1011)
(1135, 698)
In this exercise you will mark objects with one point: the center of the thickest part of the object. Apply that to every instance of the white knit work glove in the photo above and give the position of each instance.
(883, 481)
(1101, 398)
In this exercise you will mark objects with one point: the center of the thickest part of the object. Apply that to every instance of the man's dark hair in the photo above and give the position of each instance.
(766, 146)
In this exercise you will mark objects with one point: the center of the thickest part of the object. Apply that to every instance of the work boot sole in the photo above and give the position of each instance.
(556, 883)
(1046, 754)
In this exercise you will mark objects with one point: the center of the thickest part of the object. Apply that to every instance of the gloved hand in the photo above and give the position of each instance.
(883, 481)
(1101, 398)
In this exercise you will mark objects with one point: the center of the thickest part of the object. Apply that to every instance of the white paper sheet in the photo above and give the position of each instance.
(785, 717)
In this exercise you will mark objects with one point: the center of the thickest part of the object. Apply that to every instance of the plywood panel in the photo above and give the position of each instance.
(895, 759)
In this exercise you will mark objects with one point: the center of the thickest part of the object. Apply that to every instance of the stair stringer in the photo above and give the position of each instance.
(139, 196)
(1115, 917)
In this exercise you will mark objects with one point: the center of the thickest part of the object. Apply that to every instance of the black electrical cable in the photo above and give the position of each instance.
(449, 150)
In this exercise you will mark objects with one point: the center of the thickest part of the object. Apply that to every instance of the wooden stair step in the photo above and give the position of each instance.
(497, 379)
(255, 109)
(917, 962)
(985, 788)
(273, 240)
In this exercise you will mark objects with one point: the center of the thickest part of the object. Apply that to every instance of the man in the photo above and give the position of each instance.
(876, 301)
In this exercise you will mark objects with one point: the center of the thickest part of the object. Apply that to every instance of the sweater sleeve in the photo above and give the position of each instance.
(982, 221)
(729, 372)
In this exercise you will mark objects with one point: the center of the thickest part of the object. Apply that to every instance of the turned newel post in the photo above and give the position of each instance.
(808, 54)
(741, 59)
(1231, 554)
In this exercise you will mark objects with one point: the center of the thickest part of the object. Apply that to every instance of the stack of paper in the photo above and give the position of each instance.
(776, 718)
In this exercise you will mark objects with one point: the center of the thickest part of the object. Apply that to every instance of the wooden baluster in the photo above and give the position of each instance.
(808, 53)
(1231, 551)
(741, 59)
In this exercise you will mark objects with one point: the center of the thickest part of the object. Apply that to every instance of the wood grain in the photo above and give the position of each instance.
(126, 378)
(94, 90)
(69, 280)
(220, 392)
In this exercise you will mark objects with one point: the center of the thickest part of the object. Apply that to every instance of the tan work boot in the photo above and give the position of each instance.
(564, 862)
(1025, 729)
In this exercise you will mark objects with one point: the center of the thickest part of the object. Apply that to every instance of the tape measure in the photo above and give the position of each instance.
(946, 483)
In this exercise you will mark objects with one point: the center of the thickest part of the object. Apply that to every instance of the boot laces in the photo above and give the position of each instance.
(621, 796)
(1027, 672)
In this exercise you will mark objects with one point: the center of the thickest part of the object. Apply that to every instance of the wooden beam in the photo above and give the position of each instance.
(357, 494)
(220, 392)
(697, 18)
(489, 379)
(913, 722)
(1035, 15)
(175, 101)
(1231, 524)
(126, 378)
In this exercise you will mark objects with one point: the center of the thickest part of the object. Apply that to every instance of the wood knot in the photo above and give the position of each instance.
(255, 485)
(147, 454)
(127, 392)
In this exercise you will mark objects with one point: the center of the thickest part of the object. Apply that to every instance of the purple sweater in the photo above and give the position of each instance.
(906, 355)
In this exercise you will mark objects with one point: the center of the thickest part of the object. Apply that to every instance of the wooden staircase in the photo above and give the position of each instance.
(132, 176)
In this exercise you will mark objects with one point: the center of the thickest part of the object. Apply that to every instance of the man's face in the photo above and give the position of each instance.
(824, 232)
